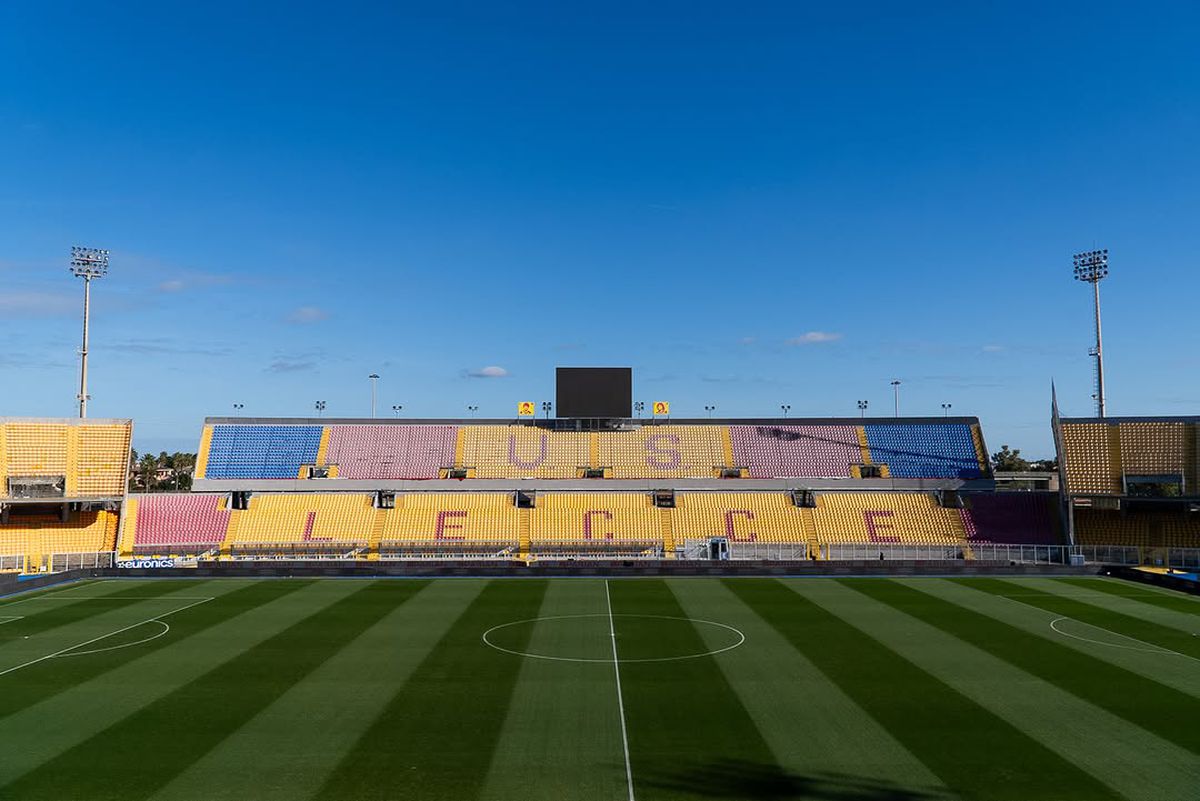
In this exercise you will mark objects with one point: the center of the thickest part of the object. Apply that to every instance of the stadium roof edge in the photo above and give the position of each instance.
(69, 421)
(1150, 419)
(771, 421)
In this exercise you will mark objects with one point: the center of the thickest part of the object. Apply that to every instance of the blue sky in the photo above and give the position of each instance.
(751, 204)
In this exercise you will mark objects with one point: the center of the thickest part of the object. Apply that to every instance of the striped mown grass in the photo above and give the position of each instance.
(838, 689)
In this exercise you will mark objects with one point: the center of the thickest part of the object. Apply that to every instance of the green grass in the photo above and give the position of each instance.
(843, 689)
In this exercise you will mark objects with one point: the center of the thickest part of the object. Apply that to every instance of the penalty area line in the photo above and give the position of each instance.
(65, 651)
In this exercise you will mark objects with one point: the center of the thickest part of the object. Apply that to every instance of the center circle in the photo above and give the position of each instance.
(605, 638)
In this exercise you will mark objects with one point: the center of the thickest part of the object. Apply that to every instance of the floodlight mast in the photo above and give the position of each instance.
(1092, 267)
(86, 263)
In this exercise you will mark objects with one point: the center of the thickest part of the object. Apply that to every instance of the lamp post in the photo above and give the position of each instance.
(86, 263)
(785, 408)
(546, 407)
(946, 408)
(397, 408)
(374, 383)
(710, 410)
(862, 408)
(472, 410)
(320, 407)
(1092, 267)
(237, 407)
(896, 395)
(639, 407)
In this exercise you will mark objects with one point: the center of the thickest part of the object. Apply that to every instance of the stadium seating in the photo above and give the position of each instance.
(391, 451)
(260, 451)
(1091, 459)
(451, 518)
(1147, 529)
(36, 534)
(804, 451)
(1012, 517)
(927, 450)
(1152, 448)
(90, 455)
(303, 518)
(520, 451)
(886, 517)
(740, 517)
(170, 522)
(595, 520)
(665, 451)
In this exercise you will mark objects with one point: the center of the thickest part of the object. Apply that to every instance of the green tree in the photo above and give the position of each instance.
(1009, 461)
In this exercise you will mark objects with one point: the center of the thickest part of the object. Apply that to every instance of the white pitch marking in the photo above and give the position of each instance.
(1150, 649)
(620, 699)
(166, 628)
(154, 619)
(487, 641)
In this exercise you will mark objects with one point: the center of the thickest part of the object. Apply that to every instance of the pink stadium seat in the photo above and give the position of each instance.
(391, 451)
(776, 451)
(164, 520)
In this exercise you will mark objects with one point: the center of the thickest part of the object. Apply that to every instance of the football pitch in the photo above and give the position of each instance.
(526, 689)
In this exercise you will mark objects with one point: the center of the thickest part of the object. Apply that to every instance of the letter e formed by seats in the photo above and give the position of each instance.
(870, 518)
(662, 451)
(442, 525)
(587, 523)
(731, 532)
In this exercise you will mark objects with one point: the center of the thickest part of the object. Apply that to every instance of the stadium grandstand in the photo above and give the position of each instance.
(62, 485)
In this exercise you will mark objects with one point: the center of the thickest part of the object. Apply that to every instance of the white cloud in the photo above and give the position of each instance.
(38, 304)
(491, 371)
(815, 338)
(993, 348)
(308, 314)
(747, 341)
(174, 285)
(289, 367)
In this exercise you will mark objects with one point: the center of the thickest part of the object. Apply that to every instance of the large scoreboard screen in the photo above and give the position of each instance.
(599, 392)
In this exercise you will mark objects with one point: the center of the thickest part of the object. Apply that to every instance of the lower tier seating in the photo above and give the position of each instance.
(740, 516)
(886, 517)
(1147, 529)
(1012, 517)
(595, 519)
(36, 534)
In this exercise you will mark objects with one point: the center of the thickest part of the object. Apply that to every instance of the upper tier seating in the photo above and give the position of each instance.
(261, 451)
(34, 534)
(807, 451)
(90, 455)
(1012, 517)
(740, 516)
(1091, 458)
(885, 517)
(662, 451)
(595, 517)
(303, 518)
(927, 450)
(391, 451)
(452, 518)
(162, 521)
(523, 451)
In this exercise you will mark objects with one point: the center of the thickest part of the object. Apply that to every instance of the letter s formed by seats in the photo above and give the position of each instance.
(662, 451)
(444, 523)
(874, 528)
(587, 523)
(731, 526)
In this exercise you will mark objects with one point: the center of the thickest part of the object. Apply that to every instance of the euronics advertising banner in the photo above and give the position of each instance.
(141, 563)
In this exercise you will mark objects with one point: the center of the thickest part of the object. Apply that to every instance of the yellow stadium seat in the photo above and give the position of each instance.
(452, 518)
(739, 516)
(599, 519)
(315, 518)
(1089, 459)
(665, 451)
(521, 451)
(885, 517)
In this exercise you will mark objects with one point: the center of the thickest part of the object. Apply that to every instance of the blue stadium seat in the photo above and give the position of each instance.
(261, 451)
(940, 450)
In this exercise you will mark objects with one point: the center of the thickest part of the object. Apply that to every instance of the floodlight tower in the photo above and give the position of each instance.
(86, 263)
(1091, 266)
